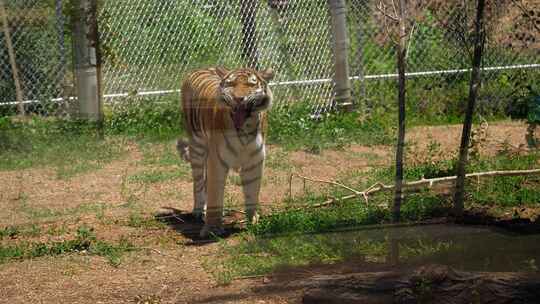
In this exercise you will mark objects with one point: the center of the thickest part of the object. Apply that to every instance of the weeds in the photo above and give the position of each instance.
(502, 191)
(293, 128)
(84, 241)
(156, 176)
(138, 221)
(71, 147)
(43, 212)
(145, 118)
(259, 256)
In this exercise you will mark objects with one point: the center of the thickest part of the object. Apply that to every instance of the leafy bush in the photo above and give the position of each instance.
(139, 117)
(294, 127)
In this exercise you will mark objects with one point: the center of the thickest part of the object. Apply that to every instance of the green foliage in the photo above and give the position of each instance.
(85, 241)
(9, 232)
(136, 220)
(113, 252)
(145, 117)
(256, 256)
(511, 191)
(156, 176)
(500, 191)
(533, 116)
(70, 146)
(294, 128)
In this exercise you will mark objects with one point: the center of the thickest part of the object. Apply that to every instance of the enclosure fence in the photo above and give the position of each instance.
(148, 46)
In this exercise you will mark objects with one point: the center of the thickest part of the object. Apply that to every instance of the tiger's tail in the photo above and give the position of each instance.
(183, 149)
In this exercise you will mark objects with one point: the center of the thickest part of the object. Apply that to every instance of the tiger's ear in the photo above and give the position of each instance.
(267, 74)
(221, 71)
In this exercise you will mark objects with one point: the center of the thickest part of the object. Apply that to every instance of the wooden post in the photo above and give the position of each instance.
(87, 60)
(12, 59)
(338, 12)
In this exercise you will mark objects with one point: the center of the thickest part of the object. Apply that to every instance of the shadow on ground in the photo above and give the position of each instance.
(190, 226)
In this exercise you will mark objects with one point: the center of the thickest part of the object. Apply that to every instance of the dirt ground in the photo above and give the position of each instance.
(170, 267)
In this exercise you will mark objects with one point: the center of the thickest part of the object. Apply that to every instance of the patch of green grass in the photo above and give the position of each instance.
(84, 241)
(254, 255)
(32, 230)
(138, 221)
(347, 214)
(426, 204)
(112, 252)
(55, 230)
(43, 212)
(66, 171)
(70, 147)
(278, 160)
(293, 128)
(156, 176)
(9, 232)
(145, 118)
(161, 154)
(235, 179)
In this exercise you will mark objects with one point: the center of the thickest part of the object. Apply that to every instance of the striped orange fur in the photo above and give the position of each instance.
(225, 118)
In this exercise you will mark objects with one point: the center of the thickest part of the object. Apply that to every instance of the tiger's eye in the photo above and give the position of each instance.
(230, 79)
(252, 79)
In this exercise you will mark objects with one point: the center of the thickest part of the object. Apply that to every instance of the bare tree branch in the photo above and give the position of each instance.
(382, 9)
(319, 181)
(418, 184)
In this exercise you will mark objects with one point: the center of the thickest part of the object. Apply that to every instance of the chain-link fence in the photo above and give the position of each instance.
(148, 46)
(151, 44)
(439, 53)
(35, 53)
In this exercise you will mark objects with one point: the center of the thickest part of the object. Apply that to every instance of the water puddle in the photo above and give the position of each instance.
(468, 248)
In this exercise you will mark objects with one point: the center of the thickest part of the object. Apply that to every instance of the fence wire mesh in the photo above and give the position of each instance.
(149, 45)
(42, 55)
(439, 52)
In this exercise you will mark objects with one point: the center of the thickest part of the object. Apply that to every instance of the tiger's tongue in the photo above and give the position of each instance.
(240, 115)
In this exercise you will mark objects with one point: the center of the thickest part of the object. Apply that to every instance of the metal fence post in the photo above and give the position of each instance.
(87, 60)
(338, 11)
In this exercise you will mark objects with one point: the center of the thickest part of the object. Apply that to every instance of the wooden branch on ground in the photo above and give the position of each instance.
(429, 182)
(318, 181)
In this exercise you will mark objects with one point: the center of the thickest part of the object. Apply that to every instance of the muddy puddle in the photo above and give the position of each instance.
(467, 248)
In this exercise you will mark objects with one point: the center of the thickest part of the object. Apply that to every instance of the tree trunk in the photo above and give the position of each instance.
(248, 11)
(401, 53)
(473, 93)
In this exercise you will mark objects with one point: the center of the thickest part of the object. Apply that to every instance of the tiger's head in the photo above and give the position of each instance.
(246, 92)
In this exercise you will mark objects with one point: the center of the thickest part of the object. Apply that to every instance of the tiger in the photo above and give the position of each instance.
(225, 118)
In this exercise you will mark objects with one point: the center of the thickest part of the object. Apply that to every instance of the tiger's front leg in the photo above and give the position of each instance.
(251, 177)
(198, 171)
(217, 171)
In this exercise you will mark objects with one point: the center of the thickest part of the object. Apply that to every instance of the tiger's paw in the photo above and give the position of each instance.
(253, 219)
(198, 215)
(211, 231)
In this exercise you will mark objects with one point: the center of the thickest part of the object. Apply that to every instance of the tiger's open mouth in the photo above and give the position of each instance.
(240, 114)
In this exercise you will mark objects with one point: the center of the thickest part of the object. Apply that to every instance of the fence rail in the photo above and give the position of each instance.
(148, 46)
